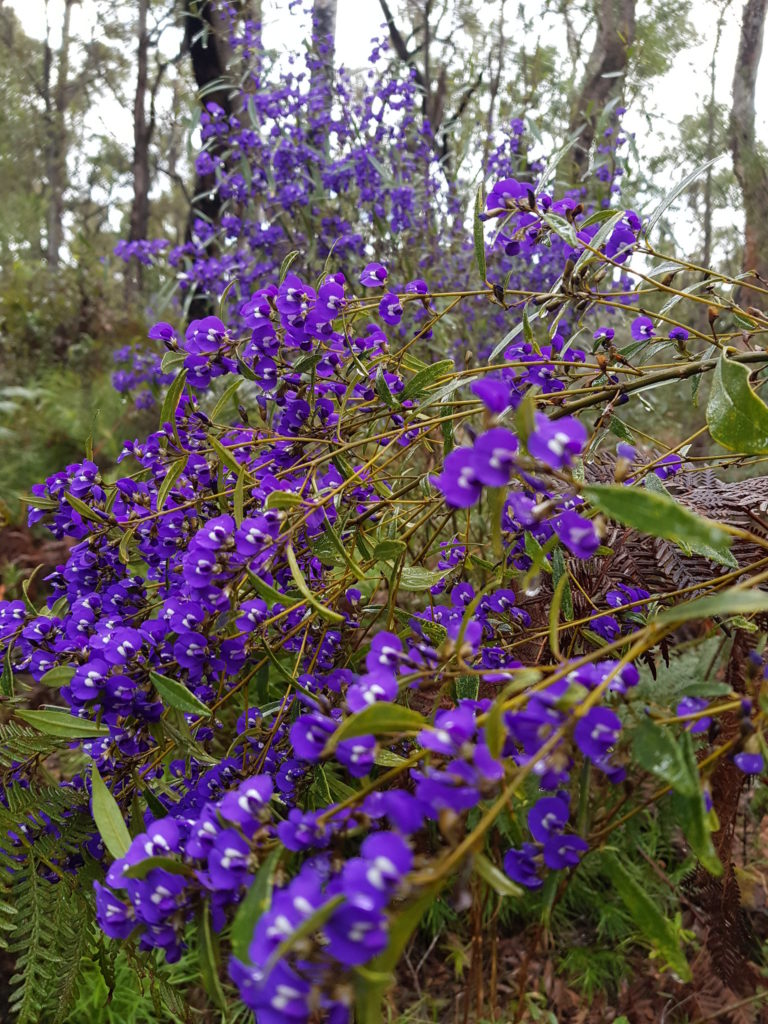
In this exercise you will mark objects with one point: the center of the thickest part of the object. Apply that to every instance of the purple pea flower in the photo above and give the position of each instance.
(494, 457)
(678, 334)
(555, 443)
(750, 764)
(597, 732)
(522, 867)
(563, 851)
(642, 328)
(494, 394)
(547, 816)
(577, 534)
(459, 481)
(390, 309)
(373, 275)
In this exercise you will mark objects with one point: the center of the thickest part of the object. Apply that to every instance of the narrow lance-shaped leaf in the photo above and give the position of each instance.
(171, 401)
(646, 914)
(378, 719)
(61, 723)
(301, 583)
(659, 516)
(108, 817)
(255, 903)
(176, 695)
(478, 234)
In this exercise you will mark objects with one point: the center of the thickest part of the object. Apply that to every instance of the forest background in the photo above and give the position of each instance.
(100, 177)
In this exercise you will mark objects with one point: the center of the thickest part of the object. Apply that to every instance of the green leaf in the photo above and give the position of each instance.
(656, 751)
(238, 499)
(224, 454)
(727, 602)
(388, 550)
(382, 390)
(558, 571)
(282, 500)
(229, 392)
(253, 906)
(467, 687)
(176, 695)
(208, 953)
(737, 418)
(422, 380)
(171, 401)
(660, 516)
(378, 719)
(108, 817)
(169, 864)
(59, 675)
(696, 824)
(285, 266)
(301, 583)
(61, 723)
(644, 912)
(6, 678)
(172, 361)
(479, 237)
(674, 762)
(83, 510)
(373, 980)
(498, 881)
(335, 541)
(271, 594)
(172, 474)
(414, 578)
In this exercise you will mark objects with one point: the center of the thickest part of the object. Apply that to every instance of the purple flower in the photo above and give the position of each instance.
(626, 451)
(390, 309)
(690, 706)
(597, 732)
(494, 394)
(547, 816)
(577, 534)
(204, 337)
(494, 457)
(459, 481)
(668, 466)
(373, 275)
(678, 334)
(555, 443)
(750, 764)
(642, 328)
(522, 866)
(563, 851)
(451, 730)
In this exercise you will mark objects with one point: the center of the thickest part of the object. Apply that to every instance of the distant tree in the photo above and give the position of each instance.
(604, 74)
(749, 159)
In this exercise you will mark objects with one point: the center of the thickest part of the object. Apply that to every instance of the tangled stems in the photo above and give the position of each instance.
(351, 608)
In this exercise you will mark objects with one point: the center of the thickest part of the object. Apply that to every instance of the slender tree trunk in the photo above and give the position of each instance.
(56, 156)
(209, 53)
(140, 207)
(323, 40)
(604, 74)
(748, 164)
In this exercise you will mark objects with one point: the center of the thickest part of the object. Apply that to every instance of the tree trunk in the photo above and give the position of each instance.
(207, 46)
(748, 164)
(604, 74)
(323, 40)
(140, 207)
(56, 156)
